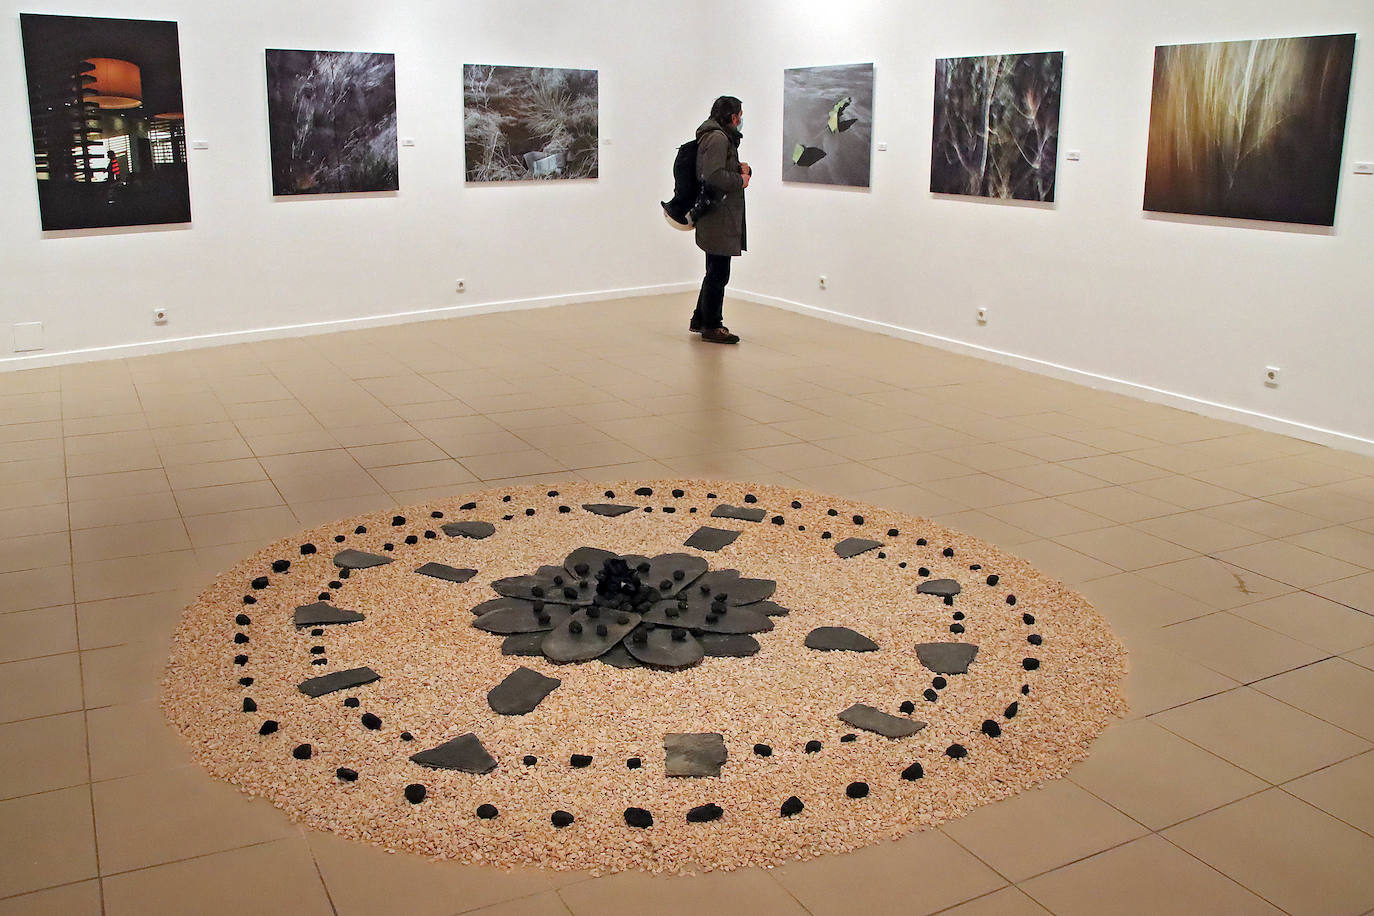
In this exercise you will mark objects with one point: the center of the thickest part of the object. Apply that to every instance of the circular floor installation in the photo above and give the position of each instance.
(658, 675)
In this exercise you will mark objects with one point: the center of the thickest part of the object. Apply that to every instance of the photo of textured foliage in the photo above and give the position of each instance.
(526, 123)
(109, 137)
(331, 121)
(996, 130)
(827, 124)
(1250, 129)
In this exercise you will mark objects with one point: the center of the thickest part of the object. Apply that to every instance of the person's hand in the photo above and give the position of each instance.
(745, 169)
(745, 177)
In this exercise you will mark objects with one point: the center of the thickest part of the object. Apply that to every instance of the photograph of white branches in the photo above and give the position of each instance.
(996, 125)
(1250, 129)
(526, 123)
(331, 119)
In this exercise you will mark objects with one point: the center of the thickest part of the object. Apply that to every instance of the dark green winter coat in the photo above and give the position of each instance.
(721, 229)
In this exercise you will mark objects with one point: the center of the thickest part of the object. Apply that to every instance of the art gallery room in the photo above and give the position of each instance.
(426, 488)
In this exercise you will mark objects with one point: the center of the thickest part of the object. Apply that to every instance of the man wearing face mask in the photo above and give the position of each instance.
(720, 230)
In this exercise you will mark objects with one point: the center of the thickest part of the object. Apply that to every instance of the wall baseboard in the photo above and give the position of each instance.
(174, 344)
(1214, 409)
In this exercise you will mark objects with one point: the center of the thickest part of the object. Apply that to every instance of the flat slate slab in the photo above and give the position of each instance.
(475, 530)
(728, 645)
(566, 644)
(523, 644)
(694, 754)
(708, 538)
(521, 691)
(619, 657)
(875, 720)
(661, 650)
(947, 657)
(338, 680)
(593, 557)
(945, 588)
(852, 547)
(320, 613)
(743, 513)
(359, 559)
(842, 639)
(447, 573)
(521, 617)
(737, 589)
(610, 510)
(464, 753)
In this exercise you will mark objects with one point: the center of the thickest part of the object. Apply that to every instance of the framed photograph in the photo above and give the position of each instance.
(827, 125)
(530, 123)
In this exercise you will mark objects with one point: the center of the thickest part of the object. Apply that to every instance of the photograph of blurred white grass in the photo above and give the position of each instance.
(331, 119)
(527, 123)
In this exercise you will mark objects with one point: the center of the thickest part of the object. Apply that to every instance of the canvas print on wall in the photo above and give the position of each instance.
(827, 124)
(109, 141)
(996, 129)
(524, 123)
(331, 119)
(1250, 129)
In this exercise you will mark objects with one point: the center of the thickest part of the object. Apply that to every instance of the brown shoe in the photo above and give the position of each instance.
(720, 336)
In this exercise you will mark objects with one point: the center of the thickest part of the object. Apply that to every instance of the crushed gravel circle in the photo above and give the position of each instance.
(315, 670)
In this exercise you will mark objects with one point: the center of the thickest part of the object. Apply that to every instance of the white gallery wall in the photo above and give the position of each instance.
(250, 262)
(1192, 306)
(1185, 309)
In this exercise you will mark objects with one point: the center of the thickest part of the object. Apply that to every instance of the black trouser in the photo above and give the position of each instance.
(711, 299)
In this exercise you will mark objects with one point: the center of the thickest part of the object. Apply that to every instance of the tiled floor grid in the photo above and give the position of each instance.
(1237, 565)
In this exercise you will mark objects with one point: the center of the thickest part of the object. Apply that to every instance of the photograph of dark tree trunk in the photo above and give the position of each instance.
(1250, 129)
(530, 123)
(996, 129)
(331, 120)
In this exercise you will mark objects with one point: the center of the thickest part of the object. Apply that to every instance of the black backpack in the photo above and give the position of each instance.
(691, 196)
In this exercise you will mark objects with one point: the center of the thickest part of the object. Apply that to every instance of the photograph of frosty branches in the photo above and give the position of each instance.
(529, 123)
(1250, 129)
(996, 126)
(332, 121)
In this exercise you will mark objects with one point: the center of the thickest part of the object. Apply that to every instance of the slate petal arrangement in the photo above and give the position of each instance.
(415, 678)
(668, 611)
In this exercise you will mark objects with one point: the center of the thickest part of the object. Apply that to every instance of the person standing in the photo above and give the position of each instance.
(720, 230)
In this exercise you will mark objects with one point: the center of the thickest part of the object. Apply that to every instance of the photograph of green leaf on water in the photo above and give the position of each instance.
(1250, 129)
(996, 125)
(528, 123)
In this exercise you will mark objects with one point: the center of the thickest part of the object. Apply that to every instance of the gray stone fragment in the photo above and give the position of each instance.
(523, 644)
(620, 657)
(543, 581)
(464, 753)
(610, 510)
(521, 617)
(875, 720)
(338, 680)
(663, 567)
(358, 559)
(708, 538)
(947, 657)
(740, 590)
(564, 645)
(475, 530)
(728, 645)
(447, 573)
(663, 651)
(743, 513)
(770, 609)
(594, 557)
(943, 587)
(698, 614)
(320, 613)
(839, 638)
(694, 754)
(852, 547)
(521, 691)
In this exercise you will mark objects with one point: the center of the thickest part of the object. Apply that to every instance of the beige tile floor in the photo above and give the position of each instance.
(1237, 565)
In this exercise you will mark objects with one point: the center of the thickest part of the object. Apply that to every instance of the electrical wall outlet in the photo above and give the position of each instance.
(159, 316)
(982, 316)
(1073, 155)
(823, 281)
(1364, 168)
(1271, 376)
(461, 286)
(28, 336)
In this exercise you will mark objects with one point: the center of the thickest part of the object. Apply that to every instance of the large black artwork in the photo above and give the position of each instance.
(332, 121)
(109, 138)
(1250, 129)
